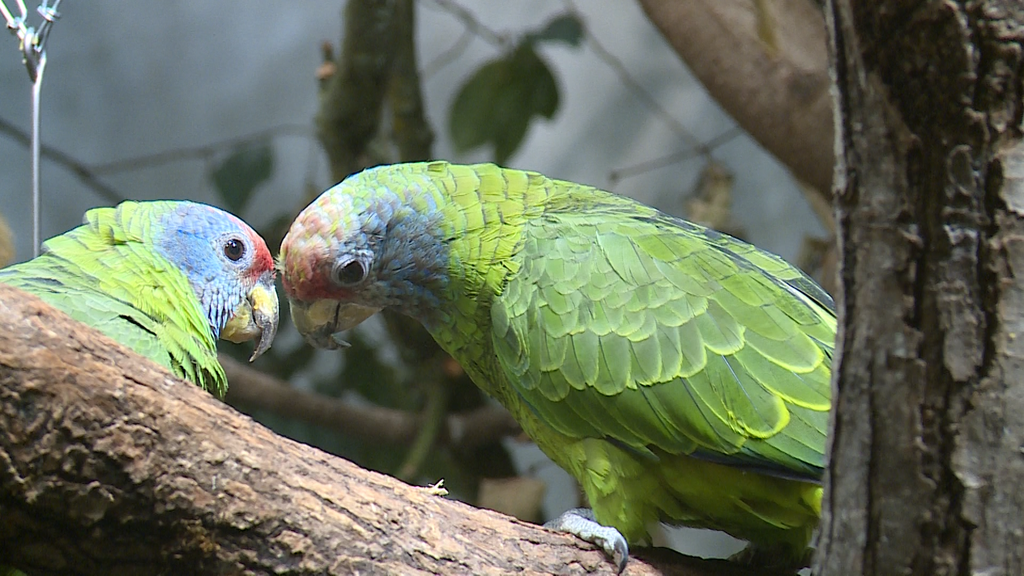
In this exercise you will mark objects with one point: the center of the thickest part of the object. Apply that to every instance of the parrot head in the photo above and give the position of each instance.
(360, 247)
(229, 268)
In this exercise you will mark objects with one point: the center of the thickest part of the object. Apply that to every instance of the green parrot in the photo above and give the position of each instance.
(679, 374)
(164, 278)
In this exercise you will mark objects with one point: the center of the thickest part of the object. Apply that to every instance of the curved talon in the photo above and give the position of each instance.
(581, 523)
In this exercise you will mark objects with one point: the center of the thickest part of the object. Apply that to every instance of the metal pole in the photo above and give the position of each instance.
(33, 51)
(37, 86)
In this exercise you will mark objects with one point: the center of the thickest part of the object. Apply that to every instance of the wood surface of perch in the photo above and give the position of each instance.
(110, 465)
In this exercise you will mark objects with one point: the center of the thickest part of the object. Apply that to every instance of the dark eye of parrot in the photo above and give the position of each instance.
(234, 249)
(350, 273)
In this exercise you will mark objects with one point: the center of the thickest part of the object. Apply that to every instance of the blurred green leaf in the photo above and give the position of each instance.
(565, 28)
(500, 100)
(238, 175)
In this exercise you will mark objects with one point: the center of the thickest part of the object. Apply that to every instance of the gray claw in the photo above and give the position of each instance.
(581, 522)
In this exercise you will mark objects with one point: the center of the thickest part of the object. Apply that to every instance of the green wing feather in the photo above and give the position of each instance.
(630, 325)
(106, 274)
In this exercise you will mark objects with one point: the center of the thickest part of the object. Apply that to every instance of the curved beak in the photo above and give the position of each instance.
(256, 317)
(320, 322)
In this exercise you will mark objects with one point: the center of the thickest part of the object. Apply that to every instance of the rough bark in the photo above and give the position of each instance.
(110, 465)
(765, 62)
(926, 441)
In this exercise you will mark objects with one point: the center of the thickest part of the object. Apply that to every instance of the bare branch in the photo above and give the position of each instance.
(89, 174)
(472, 23)
(252, 389)
(412, 133)
(352, 99)
(200, 152)
(638, 90)
(676, 157)
(450, 55)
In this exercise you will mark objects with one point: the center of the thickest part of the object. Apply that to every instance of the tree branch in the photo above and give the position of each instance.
(352, 99)
(73, 165)
(767, 68)
(108, 464)
(252, 389)
(412, 133)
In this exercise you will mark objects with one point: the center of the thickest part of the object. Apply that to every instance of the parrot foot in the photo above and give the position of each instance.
(581, 522)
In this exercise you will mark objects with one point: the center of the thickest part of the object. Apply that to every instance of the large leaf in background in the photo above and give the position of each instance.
(497, 104)
(238, 175)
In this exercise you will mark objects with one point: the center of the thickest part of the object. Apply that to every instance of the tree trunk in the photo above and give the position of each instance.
(109, 465)
(926, 460)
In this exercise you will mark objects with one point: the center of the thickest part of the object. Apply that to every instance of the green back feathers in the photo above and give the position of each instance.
(605, 318)
(106, 273)
(646, 330)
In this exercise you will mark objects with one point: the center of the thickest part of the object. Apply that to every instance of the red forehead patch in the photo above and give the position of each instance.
(262, 261)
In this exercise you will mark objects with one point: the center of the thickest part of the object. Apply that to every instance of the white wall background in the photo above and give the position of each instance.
(128, 79)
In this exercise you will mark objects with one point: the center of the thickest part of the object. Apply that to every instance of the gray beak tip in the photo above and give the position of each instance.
(336, 338)
(268, 330)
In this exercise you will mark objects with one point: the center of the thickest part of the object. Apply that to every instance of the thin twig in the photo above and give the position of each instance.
(450, 55)
(76, 167)
(645, 97)
(472, 23)
(89, 174)
(675, 157)
(203, 152)
(475, 27)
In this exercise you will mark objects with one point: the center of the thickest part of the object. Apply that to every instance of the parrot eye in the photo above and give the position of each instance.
(234, 249)
(349, 273)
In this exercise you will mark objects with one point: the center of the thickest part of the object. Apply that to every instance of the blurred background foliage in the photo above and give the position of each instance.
(403, 81)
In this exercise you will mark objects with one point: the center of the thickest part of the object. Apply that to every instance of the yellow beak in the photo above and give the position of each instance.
(255, 317)
(321, 321)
